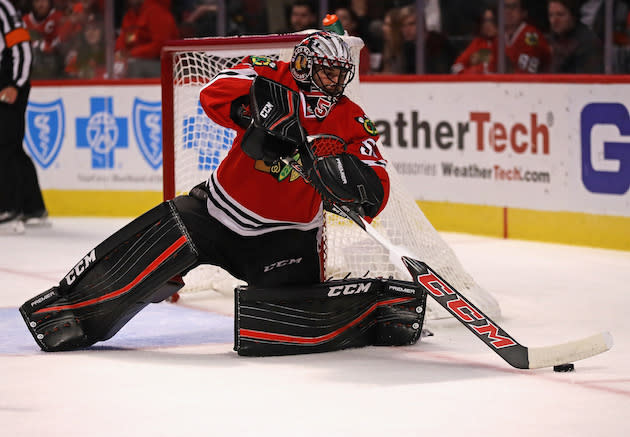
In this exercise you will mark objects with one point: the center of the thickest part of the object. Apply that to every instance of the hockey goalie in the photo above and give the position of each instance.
(301, 148)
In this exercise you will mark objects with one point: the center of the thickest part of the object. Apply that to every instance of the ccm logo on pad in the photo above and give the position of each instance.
(80, 267)
(349, 289)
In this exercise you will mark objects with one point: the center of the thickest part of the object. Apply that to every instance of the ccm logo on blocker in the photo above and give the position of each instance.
(605, 138)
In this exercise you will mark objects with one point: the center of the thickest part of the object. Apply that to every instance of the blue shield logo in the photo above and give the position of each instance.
(147, 127)
(45, 123)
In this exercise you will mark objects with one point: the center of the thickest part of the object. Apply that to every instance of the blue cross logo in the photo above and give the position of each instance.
(102, 132)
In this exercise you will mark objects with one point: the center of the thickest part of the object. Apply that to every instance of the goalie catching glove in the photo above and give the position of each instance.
(346, 181)
(274, 131)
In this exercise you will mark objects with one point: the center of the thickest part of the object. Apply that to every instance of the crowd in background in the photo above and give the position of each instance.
(542, 36)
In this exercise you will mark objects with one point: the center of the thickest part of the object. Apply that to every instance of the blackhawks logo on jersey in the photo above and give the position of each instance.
(367, 124)
(531, 38)
(263, 61)
(279, 169)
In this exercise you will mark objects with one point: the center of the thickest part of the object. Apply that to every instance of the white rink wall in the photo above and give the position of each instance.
(550, 147)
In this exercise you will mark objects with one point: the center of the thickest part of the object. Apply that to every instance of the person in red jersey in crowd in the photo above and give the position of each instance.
(146, 26)
(526, 48)
(48, 32)
(479, 56)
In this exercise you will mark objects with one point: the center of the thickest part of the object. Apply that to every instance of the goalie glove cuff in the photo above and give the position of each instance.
(343, 179)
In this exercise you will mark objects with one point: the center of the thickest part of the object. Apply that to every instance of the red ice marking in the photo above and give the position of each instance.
(555, 377)
(38, 275)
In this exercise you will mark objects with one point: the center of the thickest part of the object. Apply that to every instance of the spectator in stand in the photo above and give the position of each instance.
(455, 18)
(198, 18)
(526, 48)
(479, 56)
(86, 56)
(392, 61)
(350, 23)
(433, 15)
(45, 25)
(574, 47)
(438, 51)
(593, 14)
(76, 14)
(362, 9)
(302, 16)
(146, 26)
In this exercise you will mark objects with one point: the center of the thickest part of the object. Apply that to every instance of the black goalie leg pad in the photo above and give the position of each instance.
(400, 315)
(130, 269)
(326, 317)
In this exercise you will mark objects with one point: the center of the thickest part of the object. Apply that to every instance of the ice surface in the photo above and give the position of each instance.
(172, 372)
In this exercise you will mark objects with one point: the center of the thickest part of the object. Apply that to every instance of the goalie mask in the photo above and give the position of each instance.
(322, 65)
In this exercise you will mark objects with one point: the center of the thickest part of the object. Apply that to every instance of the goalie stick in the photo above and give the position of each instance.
(485, 329)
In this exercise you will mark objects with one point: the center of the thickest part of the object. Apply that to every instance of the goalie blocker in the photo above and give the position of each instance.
(325, 317)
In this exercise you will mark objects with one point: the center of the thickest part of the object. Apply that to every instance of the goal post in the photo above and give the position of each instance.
(193, 146)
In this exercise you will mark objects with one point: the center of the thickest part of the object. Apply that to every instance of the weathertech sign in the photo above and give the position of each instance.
(535, 146)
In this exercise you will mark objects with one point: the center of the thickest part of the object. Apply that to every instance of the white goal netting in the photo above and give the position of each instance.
(199, 145)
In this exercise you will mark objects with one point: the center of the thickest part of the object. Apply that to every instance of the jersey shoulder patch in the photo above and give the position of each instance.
(367, 124)
(263, 61)
(531, 38)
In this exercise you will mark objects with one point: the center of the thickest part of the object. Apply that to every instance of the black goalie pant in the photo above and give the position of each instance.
(283, 257)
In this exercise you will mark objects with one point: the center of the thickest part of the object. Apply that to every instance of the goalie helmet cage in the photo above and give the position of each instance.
(193, 145)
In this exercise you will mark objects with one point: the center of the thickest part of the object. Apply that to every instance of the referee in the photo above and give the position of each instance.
(20, 195)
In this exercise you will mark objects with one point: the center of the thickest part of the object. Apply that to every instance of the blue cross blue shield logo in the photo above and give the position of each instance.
(147, 127)
(45, 123)
(102, 132)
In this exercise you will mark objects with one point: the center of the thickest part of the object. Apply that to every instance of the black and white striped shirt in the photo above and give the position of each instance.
(15, 47)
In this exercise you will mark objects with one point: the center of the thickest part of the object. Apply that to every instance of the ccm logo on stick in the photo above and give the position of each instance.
(349, 289)
(80, 267)
(463, 310)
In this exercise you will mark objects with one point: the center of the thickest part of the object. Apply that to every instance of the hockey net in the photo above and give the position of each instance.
(193, 146)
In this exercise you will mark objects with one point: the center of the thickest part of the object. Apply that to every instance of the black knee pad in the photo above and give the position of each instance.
(113, 282)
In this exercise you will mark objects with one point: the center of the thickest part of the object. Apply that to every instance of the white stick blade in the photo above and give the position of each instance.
(566, 353)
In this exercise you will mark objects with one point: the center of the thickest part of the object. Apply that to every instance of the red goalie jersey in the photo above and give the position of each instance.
(252, 198)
